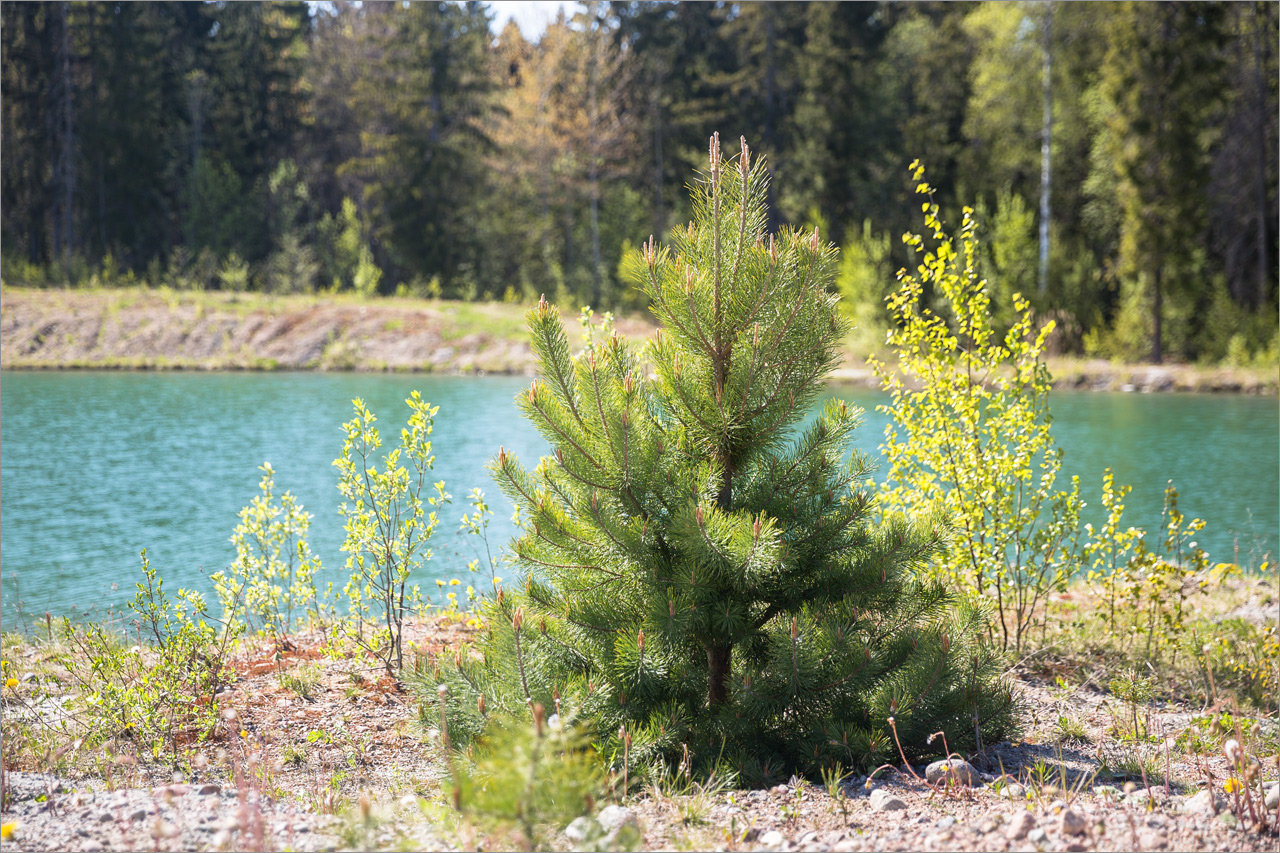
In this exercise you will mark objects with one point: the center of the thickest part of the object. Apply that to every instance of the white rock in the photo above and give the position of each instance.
(1013, 791)
(1036, 835)
(1073, 823)
(1205, 802)
(957, 771)
(613, 818)
(883, 801)
(581, 829)
(1020, 824)
(1273, 798)
(772, 840)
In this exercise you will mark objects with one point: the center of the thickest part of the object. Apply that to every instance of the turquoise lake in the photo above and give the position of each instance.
(96, 466)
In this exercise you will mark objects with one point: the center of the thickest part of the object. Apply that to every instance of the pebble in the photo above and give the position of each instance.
(957, 771)
(1036, 835)
(1013, 791)
(1072, 823)
(946, 822)
(1148, 840)
(883, 801)
(772, 840)
(614, 819)
(1020, 824)
(581, 829)
(1273, 798)
(1205, 802)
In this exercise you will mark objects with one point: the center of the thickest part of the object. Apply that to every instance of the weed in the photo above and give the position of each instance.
(302, 680)
(1069, 730)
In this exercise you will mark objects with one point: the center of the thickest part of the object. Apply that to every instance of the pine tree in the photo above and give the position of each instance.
(703, 581)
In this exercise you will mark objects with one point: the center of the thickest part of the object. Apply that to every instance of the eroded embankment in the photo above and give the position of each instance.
(159, 329)
(147, 329)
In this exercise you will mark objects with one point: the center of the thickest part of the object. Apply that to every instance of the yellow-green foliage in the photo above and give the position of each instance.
(973, 438)
(272, 576)
(526, 779)
(390, 518)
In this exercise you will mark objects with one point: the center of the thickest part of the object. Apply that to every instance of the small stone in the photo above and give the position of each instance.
(613, 818)
(163, 829)
(1072, 823)
(581, 829)
(103, 817)
(168, 791)
(1075, 847)
(946, 822)
(1205, 802)
(93, 845)
(780, 790)
(987, 827)
(1020, 824)
(807, 837)
(883, 801)
(1036, 835)
(1149, 840)
(209, 788)
(138, 815)
(1011, 790)
(1057, 806)
(1273, 798)
(772, 840)
(955, 771)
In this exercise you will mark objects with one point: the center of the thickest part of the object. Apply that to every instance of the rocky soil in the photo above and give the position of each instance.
(343, 762)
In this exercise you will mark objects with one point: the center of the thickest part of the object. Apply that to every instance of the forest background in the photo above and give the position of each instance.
(1122, 158)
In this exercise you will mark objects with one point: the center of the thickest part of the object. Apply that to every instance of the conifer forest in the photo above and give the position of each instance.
(1120, 157)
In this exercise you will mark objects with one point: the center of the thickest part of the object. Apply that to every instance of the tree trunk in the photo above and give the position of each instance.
(1157, 316)
(1044, 150)
(1260, 142)
(719, 662)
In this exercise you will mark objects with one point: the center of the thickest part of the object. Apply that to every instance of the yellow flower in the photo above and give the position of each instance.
(454, 582)
(7, 829)
(1232, 785)
(439, 583)
(243, 733)
(11, 682)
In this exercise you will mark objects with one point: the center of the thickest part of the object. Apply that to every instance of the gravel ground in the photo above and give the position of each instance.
(347, 767)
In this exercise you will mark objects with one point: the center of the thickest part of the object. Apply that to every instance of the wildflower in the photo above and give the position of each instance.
(454, 582)
(11, 682)
(7, 829)
(1232, 785)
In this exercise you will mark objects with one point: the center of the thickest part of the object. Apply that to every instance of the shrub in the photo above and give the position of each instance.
(390, 517)
(162, 692)
(702, 575)
(273, 575)
(969, 433)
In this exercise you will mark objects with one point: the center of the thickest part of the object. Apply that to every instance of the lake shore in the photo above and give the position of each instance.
(144, 329)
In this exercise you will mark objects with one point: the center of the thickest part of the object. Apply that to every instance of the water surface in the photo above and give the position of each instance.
(96, 466)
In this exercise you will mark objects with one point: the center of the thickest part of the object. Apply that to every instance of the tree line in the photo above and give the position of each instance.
(1120, 157)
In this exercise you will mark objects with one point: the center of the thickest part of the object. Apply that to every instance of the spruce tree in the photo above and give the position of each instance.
(703, 579)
